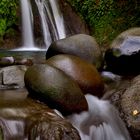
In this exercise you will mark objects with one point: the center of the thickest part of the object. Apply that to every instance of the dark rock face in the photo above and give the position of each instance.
(73, 23)
(84, 73)
(81, 45)
(55, 88)
(125, 96)
(130, 104)
(28, 119)
(124, 60)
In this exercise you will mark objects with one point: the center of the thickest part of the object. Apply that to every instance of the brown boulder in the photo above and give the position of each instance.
(84, 73)
(55, 88)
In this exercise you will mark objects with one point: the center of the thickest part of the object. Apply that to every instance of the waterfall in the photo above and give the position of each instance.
(58, 19)
(101, 122)
(51, 18)
(27, 20)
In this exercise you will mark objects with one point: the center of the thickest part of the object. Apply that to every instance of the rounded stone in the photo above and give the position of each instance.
(124, 55)
(81, 45)
(6, 61)
(55, 88)
(84, 73)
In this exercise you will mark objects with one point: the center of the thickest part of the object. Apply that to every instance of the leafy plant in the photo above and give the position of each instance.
(108, 18)
(8, 15)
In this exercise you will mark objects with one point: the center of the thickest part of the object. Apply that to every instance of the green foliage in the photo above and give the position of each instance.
(107, 18)
(8, 15)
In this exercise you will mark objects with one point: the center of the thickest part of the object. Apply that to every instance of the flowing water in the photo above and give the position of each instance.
(52, 23)
(101, 122)
(27, 22)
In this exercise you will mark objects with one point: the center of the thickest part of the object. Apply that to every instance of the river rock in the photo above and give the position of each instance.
(125, 97)
(32, 120)
(23, 61)
(135, 31)
(82, 72)
(124, 59)
(55, 88)
(130, 104)
(12, 77)
(6, 61)
(81, 45)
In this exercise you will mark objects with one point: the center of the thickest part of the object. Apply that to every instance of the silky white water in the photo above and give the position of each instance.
(101, 122)
(58, 17)
(27, 20)
(51, 19)
(52, 22)
(41, 5)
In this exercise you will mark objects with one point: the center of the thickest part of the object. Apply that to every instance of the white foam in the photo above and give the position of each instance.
(101, 122)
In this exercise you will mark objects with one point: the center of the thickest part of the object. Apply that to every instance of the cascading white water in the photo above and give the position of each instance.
(51, 19)
(58, 19)
(101, 122)
(51, 22)
(41, 5)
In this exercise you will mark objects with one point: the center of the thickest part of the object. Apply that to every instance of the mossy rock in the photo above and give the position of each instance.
(82, 72)
(55, 88)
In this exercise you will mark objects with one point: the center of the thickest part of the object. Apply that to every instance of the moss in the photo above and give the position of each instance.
(108, 18)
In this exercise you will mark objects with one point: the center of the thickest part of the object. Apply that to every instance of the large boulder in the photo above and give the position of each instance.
(84, 73)
(126, 98)
(55, 88)
(130, 104)
(124, 55)
(81, 45)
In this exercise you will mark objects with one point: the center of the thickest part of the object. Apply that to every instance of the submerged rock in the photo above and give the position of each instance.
(31, 120)
(84, 73)
(81, 45)
(124, 59)
(55, 88)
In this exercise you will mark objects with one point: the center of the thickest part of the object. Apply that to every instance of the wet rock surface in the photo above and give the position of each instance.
(124, 60)
(124, 53)
(125, 96)
(55, 88)
(12, 77)
(23, 118)
(130, 104)
(82, 72)
(81, 45)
